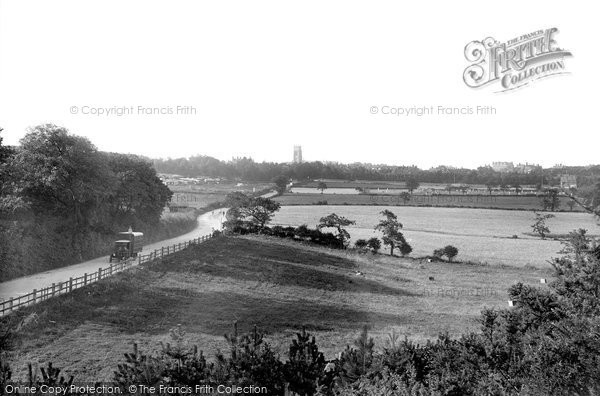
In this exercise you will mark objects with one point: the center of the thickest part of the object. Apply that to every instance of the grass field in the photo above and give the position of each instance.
(199, 196)
(481, 235)
(511, 202)
(279, 285)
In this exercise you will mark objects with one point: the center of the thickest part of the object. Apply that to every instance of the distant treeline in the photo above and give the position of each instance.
(62, 201)
(247, 169)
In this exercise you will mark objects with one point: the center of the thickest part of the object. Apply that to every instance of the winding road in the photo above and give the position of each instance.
(20, 286)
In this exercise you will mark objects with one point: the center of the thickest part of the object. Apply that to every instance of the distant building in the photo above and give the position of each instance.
(568, 181)
(526, 168)
(297, 154)
(503, 166)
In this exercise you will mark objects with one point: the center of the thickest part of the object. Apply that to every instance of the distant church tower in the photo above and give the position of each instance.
(297, 154)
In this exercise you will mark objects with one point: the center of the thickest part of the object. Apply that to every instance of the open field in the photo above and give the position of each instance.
(481, 235)
(202, 195)
(196, 200)
(279, 285)
(221, 188)
(511, 202)
(331, 183)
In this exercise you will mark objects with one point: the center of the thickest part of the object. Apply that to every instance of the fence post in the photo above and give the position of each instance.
(53, 288)
(85, 279)
(10, 304)
(99, 273)
(70, 284)
(34, 293)
(162, 251)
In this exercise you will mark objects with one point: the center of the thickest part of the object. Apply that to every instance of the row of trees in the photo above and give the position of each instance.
(247, 169)
(62, 200)
(252, 214)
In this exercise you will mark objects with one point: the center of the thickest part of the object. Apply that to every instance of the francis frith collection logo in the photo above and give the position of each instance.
(514, 63)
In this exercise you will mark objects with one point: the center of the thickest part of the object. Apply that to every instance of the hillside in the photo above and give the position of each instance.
(276, 284)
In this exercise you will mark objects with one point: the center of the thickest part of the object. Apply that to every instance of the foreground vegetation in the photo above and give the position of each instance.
(277, 284)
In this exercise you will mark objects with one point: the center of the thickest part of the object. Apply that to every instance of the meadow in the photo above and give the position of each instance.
(349, 197)
(278, 285)
(484, 236)
(201, 195)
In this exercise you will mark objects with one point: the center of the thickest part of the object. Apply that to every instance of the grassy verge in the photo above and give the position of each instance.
(276, 284)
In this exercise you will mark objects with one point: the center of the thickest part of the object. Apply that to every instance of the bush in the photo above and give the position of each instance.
(374, 244)
(438, 253)
(305, 369)
(361, 245)
(360, 360)
(405, 249)
(302, 232)
(450, 252)
(251, 362)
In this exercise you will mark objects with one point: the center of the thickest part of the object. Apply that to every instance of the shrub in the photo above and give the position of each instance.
(305, 365)
(302, 231)
(405, 249)
(277, 231)
(251, 362)
(358, 361)
(374, 244)
(361, 245)
(450, 252)
(438, 253)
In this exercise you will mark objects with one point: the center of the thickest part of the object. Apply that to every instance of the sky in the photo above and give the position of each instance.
(256, 78)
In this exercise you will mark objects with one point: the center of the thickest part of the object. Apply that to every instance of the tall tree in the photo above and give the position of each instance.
(62, 175)
(281, 183)
(539, 225)
(551, 200)
(322, 186)
(139, 195)
(255, 210)
(260, 210)
(338, 222)
(5, 152)
(390, 227)
(412, 184)
(8, 201)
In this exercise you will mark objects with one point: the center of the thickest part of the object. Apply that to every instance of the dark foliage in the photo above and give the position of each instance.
(62, 201)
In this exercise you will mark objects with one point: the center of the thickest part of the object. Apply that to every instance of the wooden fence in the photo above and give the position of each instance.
(67, 286)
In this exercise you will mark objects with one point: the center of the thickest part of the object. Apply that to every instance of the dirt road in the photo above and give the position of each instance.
(16, 287)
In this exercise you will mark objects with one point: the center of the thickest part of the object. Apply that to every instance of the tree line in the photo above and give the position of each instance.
(62, 200)
(250, 215)
(247, 169)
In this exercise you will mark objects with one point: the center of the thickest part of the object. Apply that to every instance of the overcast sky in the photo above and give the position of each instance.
(265, 75)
